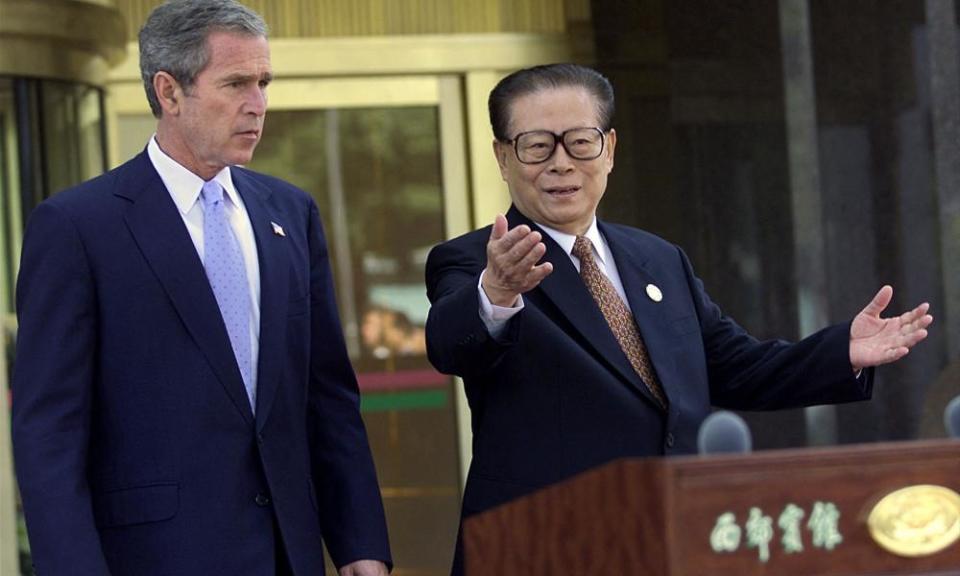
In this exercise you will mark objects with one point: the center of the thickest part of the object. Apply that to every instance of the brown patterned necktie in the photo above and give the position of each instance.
(618, 316)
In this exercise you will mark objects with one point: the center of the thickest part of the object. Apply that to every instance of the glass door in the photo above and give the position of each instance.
(51, 138)
(11, 523)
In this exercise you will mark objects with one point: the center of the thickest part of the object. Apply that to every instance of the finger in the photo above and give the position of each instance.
(537, 274)
(895, 354)
(532, 256)
(498, 248)
(509, 240)
(910, 340)
(516, 266)
(510, 249)
(879, 302)
(917, 324)
(887, 356)
(522, 248)
(499, 227)
(913, 315)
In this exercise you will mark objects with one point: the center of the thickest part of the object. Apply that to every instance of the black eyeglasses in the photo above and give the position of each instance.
(537, 146)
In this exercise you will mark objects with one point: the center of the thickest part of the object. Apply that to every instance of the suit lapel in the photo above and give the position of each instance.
(274, 287)
(158, 230)
(569, 294)
(635, 275)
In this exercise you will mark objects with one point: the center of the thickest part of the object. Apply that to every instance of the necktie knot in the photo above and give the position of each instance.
(582, 248)
(211, 192)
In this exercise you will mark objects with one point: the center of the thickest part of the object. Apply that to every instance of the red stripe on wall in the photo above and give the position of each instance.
(402, 380)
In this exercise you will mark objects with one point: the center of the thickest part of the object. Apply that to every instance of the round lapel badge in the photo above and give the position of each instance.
(654, 293)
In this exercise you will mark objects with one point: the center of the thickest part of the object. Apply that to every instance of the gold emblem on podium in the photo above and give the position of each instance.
(916, 521)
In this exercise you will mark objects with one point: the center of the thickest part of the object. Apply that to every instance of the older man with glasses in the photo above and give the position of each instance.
(581, 341)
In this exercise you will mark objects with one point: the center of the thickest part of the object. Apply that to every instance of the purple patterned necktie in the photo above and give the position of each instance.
(227, 274)
(618, 316)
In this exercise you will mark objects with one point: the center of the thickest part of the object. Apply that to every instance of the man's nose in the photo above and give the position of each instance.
(560, 162)
(257, 101)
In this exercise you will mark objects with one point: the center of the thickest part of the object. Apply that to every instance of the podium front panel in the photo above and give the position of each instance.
(784, 513)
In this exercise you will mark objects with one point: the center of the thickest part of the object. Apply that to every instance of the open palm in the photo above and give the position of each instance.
(875, 340)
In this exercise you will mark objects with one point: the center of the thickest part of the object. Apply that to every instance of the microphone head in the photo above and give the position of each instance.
(951, 418)
(724, 432)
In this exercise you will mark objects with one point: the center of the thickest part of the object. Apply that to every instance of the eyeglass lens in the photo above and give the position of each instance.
(539, 145)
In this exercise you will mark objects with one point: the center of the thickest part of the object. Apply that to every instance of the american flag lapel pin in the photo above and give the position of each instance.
(277, 229)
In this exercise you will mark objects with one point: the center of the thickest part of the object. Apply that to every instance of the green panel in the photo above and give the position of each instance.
(418, 400)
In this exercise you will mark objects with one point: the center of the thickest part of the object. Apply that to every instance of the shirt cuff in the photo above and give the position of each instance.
(495, 317)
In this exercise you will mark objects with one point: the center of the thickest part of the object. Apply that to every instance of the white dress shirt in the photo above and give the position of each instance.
(184, 187)
(495, 317)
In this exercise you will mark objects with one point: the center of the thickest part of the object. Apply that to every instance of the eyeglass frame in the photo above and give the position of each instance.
(558, 139)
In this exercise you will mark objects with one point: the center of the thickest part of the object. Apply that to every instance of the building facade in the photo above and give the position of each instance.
(803, 153)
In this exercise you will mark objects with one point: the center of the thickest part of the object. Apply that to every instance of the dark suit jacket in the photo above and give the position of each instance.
(136, 449)
(555, 394)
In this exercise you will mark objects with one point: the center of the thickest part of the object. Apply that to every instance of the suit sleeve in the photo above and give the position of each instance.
(53, 390)
(351, 510)
(748, 374)
(457, 339)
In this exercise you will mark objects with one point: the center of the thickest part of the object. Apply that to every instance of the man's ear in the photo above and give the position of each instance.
(610, 147)
(169, 93)
(501, 150)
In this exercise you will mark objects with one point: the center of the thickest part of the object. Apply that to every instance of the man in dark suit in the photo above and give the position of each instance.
(183, 403)
(581, 341)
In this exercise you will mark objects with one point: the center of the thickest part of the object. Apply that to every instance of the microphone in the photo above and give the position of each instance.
(951, 418)
(724, 432)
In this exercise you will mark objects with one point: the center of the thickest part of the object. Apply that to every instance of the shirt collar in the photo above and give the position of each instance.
(183, 185)
(566, 241)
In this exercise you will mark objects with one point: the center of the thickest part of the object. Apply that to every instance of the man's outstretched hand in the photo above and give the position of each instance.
(875, 340)
(512, 257)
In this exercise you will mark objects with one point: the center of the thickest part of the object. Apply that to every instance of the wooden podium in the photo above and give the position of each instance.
(706, 516)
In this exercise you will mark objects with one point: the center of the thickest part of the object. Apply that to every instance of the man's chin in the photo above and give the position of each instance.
(243, 158)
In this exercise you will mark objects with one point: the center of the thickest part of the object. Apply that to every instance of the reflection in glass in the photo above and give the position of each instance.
(72, 134)
(376, 177)
(51, 138)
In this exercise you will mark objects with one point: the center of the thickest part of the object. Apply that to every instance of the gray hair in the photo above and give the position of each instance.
(174, 39)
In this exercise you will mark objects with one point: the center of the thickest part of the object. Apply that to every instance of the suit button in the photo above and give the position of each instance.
(669, 440)
(259, 438)
(262, 500)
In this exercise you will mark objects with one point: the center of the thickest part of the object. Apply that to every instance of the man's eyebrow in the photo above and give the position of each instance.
(241, 77)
